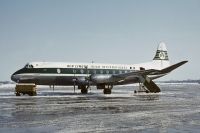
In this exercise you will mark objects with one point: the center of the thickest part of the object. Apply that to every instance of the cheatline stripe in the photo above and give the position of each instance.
(38, 74)
(65, 75)
(161, 51)
(160, 59)
(159, 56)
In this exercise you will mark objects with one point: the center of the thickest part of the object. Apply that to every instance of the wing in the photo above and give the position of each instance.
(150, 71)
(171, 68)
(143, 76)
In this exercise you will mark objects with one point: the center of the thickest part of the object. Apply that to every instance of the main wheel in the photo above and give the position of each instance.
(107, 91)
(84, 91)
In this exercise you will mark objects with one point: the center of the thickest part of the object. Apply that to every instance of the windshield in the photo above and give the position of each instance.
(28, 65)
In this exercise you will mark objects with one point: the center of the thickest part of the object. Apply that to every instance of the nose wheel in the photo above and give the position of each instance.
(107, 91)
(84, 91)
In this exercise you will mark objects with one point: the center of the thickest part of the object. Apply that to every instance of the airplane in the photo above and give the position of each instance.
(103, 76)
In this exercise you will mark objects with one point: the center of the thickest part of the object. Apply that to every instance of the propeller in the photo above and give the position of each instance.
(88, 77)
(74, 80)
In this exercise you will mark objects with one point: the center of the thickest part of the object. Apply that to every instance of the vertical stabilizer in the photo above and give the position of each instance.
(161, 53)
(161, 58)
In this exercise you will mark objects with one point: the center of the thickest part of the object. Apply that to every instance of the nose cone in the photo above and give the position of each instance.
(14, 77)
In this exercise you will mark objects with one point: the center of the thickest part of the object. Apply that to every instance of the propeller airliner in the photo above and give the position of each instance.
(103, 76)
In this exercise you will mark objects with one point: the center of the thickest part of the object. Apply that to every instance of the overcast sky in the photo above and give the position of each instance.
(104, 31)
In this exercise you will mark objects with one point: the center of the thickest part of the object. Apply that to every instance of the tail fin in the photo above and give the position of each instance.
(161, 53)
(161, 58)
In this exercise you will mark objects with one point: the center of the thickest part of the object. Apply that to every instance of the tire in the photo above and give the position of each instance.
(84, 91)
(107, 91)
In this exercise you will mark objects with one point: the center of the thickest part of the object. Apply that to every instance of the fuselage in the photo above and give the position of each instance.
(103, 76)
(58, 73)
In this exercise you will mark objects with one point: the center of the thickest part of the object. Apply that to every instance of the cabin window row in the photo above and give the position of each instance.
(98, 67)
(100, 71)
(77, 66)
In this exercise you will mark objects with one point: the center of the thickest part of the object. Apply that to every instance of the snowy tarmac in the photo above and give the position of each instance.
(175, 109)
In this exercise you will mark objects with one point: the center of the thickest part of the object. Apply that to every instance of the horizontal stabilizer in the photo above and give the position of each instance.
(171, 68)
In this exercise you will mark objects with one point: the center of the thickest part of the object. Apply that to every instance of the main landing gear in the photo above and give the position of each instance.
(107, 89)
(83, 88)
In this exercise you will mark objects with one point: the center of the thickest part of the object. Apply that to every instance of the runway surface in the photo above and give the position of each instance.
(176, 109)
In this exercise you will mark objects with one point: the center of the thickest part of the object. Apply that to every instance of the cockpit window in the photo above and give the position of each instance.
(28, 66)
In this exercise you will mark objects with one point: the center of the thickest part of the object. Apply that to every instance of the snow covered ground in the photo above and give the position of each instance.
(175, 109)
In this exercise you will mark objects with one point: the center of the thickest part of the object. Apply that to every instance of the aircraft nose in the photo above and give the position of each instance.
(14, 77)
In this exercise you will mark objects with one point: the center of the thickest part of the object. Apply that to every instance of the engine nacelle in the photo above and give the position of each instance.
(101, 79)
(82, 81)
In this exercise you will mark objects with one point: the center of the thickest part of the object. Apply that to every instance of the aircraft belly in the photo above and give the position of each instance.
(46, 80)
(57, 80)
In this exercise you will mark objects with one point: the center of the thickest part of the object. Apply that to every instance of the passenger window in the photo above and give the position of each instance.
(120, 72)
(82, 71)
(107, 72)
(74, 71)
(113, 71)
(88, 71)
(101, 71)
(94, 72)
